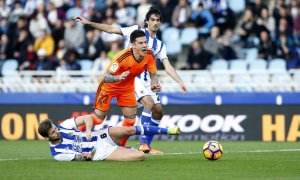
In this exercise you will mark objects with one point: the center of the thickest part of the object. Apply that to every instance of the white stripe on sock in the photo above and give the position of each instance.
(142, 130)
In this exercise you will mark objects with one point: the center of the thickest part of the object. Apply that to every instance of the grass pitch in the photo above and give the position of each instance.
(182, 160)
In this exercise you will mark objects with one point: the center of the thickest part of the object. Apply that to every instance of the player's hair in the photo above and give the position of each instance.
(136, 34)
(44, 127)
(152, 10)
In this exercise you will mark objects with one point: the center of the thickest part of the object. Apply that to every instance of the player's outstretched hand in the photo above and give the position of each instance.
(155, 87)
(80, 19)
(88, 135)
(184, 88)
(124, 75)
(87, 156)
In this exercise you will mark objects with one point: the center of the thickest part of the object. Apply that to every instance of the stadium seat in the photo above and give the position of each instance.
(86, 64)
(238, 65)
(257, 66)
(277, 65)
(170, 34)
(9, 67)
(72, 12)
(188, 35)
(219, 65)
(173, 47)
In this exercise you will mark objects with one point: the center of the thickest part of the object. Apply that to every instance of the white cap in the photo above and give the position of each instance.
(41, 52)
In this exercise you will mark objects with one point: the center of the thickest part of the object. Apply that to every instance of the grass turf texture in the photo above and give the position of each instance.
(241, 160)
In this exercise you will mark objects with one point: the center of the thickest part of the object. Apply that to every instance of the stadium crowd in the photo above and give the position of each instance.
(41, 35)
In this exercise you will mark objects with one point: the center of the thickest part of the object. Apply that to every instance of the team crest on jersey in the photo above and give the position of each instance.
(114, 67)
(70, 134)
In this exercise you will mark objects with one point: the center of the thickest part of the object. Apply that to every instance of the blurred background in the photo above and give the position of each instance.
(239, 59)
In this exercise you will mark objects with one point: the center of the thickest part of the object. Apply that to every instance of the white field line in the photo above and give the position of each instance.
(176, 153)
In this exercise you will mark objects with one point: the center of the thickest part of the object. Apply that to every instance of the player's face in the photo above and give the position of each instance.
(153, 23)
(53, 133)
(140, 46)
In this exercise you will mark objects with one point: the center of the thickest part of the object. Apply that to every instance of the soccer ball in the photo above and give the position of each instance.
(212, 150)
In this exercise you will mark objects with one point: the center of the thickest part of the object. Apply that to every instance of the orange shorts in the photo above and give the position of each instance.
(103, 99)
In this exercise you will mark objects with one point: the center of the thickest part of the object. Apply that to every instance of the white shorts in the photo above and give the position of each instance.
(142, 90)
(104, 146)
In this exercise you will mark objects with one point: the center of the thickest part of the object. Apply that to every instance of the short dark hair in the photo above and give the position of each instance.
(152, 10)
(44, 127)
(136, 34)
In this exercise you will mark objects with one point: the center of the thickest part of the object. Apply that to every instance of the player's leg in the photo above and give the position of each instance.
(101, 107)
(129, 120)
(118, 133)
(143, 96)
(124, 154)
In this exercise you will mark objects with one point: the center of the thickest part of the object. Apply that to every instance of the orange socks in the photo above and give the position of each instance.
(127, 122)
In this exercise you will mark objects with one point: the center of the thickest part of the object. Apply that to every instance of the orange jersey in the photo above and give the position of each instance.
(125, 61)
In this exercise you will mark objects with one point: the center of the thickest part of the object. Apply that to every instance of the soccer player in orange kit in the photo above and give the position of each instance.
(118, 80)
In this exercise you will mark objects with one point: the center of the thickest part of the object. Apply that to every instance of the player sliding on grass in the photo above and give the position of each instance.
(152, 112)
(67, 143)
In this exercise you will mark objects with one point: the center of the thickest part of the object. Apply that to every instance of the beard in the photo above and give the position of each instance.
(52, 140)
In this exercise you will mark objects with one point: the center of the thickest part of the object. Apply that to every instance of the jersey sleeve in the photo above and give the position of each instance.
(151, 63)
(68, 124)
(162, 54)
(126, 31)
(65, 157)
(113, 67)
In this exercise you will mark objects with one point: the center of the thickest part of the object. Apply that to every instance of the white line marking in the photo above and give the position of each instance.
(177, 153)
(254, 151)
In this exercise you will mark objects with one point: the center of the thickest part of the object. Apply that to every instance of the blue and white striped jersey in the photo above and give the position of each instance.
(157, 46)
(73, 142)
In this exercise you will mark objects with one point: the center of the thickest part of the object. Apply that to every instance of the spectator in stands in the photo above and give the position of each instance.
(284, 28)
(114, 50)
(286, 50)
(230, 38)
(198, 58)
(17, 12)
(93, 45)
(257, 6)
(181, 14)
(20, 47)
(5, 26)
(125, 15)
(296, 30)
(212, 45)
(265, 21)
(44, 41)
(266, 47)
(58, 32)
(54, 14)
(101, 63)
(293, 8)
(74, 35)
(4, 9)
(71, 56)
(36, 23)
(249, 29)
(4, 47)
(203, 19)
(61, 50)
(142, 9)
(30, 59)
(283, 13)
(166, 8)
(43, 63)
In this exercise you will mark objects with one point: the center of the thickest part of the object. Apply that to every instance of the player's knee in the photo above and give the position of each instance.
(140, 156)
(148, 103)
(130, 131)
(157, 115)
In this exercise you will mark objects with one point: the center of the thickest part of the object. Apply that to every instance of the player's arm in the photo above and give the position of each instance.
(109, 78)
(103, 27)
(174, 75)
(88, 121)
(155, 86)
